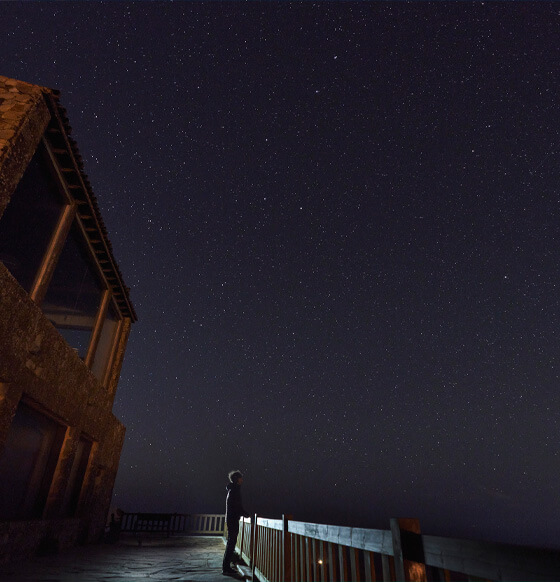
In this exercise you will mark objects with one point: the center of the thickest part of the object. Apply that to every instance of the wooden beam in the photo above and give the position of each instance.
(97, 328)
(46, 270)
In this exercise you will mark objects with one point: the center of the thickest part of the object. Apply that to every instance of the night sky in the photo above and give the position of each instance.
(340, 223)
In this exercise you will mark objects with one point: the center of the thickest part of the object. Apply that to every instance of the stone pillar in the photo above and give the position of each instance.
(99, 481)
(62, 472)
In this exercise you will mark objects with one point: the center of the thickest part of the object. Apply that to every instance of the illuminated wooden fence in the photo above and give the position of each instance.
(284, 550)
(210, 524)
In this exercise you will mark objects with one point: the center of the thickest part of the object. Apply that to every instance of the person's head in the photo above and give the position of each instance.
(235, 477)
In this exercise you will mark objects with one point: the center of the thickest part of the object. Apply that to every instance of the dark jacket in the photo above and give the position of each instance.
(234, 505)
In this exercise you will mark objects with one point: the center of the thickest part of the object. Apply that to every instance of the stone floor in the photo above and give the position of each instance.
(192, 559)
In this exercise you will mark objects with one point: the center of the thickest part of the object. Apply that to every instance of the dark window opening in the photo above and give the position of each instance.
(27, 225)
(74, 294)
(27, 463)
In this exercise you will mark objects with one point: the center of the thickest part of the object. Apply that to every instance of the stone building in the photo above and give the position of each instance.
(65, 317)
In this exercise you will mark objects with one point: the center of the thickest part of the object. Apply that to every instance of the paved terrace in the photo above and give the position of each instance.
(181, 559)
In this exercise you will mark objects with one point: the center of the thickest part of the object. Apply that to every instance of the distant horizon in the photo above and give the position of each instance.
(446, 532)
(441, 527)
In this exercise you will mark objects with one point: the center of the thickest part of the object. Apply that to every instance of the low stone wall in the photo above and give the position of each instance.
(21, 539)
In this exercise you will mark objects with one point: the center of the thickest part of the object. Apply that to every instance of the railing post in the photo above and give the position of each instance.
(242, 528)
(408, 550)
(253, 548)
(342, 563)
(286, 550)
(386, 568)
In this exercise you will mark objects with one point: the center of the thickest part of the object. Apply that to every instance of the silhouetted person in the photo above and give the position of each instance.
(234, 510)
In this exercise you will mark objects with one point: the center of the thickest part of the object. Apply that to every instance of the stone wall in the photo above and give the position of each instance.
(24, 115)
(38, 365)
(45, 536)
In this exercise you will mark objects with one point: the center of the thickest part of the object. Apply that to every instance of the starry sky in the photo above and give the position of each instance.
(340, 223)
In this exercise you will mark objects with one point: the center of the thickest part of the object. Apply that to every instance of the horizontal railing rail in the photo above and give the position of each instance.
(173, 523)
(291, 551)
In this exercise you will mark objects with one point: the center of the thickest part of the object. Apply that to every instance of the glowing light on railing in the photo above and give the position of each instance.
(319, 561)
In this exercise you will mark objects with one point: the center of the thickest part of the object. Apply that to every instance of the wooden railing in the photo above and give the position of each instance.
(283, 550)
(210, 524)
(173, 523)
